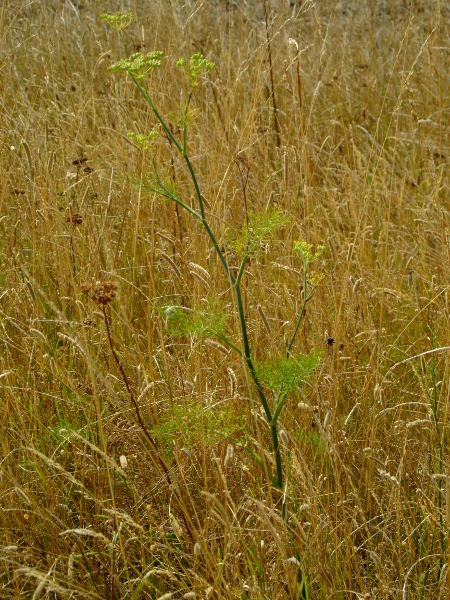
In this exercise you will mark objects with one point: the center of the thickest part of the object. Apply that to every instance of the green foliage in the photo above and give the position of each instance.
(193, 68)
(182, 321)
(192, 423)
(259, 231)
(285, 374)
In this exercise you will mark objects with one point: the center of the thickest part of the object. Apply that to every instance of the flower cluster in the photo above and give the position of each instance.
(118, 21)
(102, 292)
(139, 65)
(306, 252)
(196, 64)
(145, 141)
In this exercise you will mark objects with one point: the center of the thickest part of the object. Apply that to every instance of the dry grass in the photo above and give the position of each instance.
(357, 158)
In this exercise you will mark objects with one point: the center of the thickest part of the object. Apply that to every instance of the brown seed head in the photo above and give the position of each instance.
(75, 219)
(102, 292)
(79, 161)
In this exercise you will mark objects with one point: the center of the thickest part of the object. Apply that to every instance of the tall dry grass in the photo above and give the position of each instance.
(349, 137)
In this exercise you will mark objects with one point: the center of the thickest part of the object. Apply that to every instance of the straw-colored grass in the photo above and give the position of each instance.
(124, 472)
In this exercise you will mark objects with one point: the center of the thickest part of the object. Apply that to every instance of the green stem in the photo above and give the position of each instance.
(170, 195)
(241, 270)
(181, 149)
(197, 189)
(276, 449)
(247, 355)
(278, 407)
(235, 282)
(149, 101)
(219, 251)
(185, 123)
(125, 45)
(226, 341)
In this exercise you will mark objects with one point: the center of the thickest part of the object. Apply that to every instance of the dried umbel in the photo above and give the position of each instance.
(76, 219)
(102, 292)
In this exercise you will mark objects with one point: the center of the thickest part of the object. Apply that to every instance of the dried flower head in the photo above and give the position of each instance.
(293, 44)
(102, 292)
(284, 437)
(76, 219)
(79, 161)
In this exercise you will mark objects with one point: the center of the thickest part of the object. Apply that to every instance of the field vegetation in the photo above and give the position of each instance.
(224, 299)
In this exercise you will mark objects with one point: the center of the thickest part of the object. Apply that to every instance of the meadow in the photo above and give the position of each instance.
(224, 306)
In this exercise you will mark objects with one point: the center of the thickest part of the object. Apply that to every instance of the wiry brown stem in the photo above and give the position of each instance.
(272, 84)
(141, 422)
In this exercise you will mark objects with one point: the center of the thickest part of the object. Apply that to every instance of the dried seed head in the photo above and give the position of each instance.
(197, 549)
(79, 161)
(284, 437)
(177, 529)
(293, 44)
(357, 285)
(38, 334)
(22, 495)
(350, 252)
(264, 319)
(102, 293)
(229, 455)
(218, 346)
(389, 477)
(75, 219)
(70, 567)
(233, 381)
